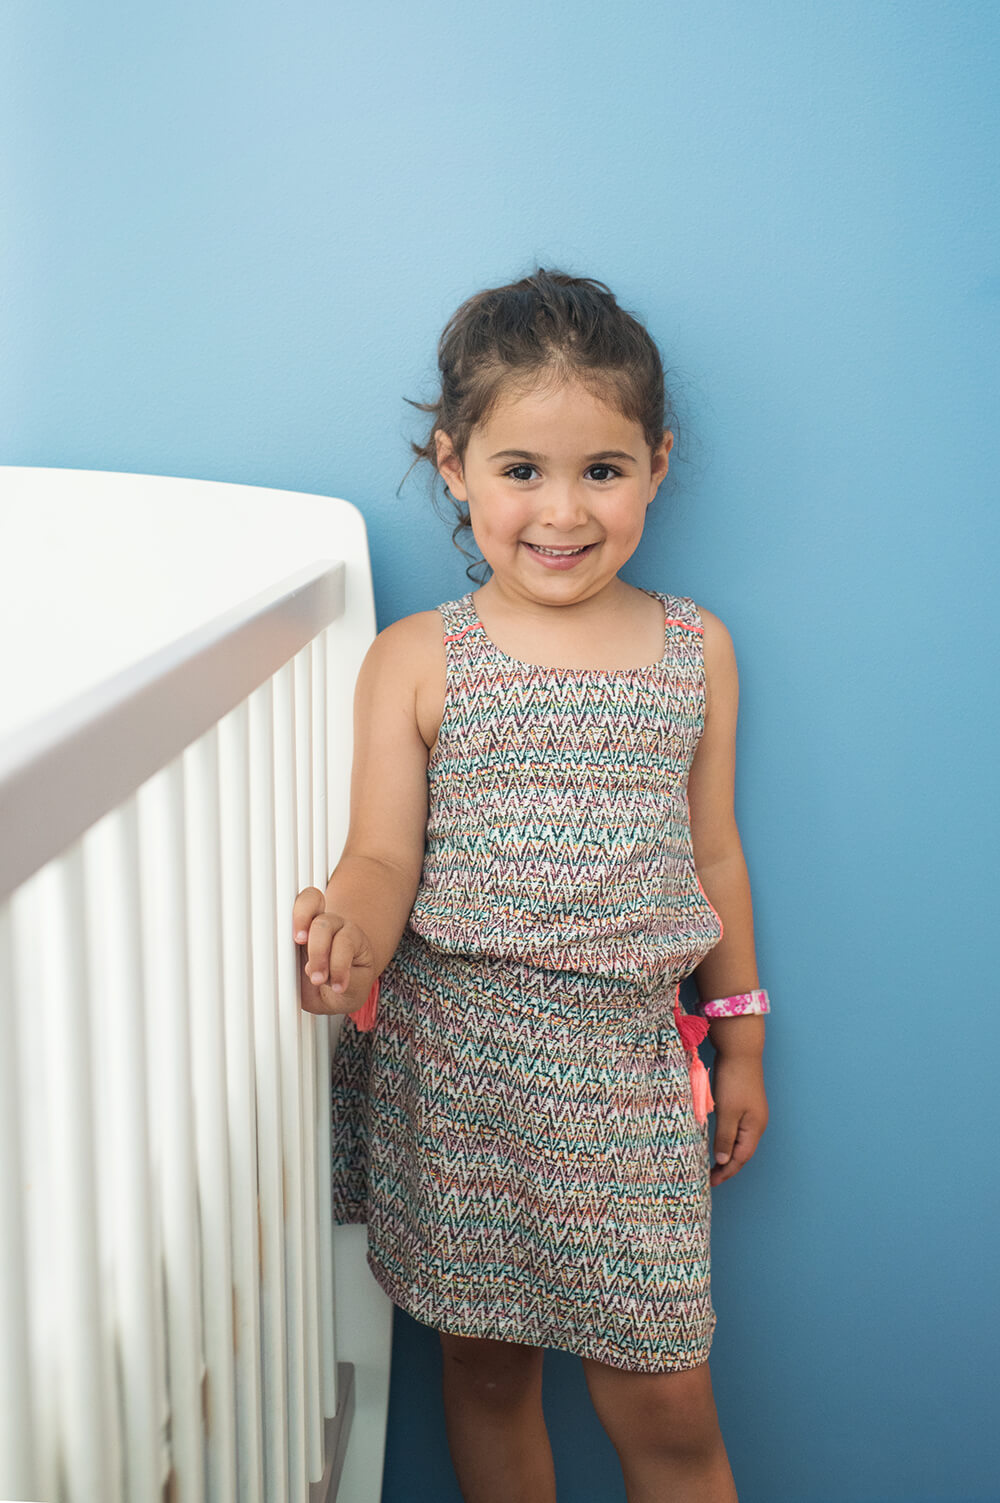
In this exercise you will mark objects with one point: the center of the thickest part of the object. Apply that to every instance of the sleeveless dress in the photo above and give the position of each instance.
(518, 1129)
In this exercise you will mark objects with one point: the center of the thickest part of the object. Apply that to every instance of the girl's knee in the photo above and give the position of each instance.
(666, 1413)
(495, 1372)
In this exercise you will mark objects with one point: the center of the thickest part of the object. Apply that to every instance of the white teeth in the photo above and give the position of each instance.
(558, 552)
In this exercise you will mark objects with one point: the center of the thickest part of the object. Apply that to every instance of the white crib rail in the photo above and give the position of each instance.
(166, 1253)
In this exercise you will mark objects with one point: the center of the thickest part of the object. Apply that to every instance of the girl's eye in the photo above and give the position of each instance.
(525, 472)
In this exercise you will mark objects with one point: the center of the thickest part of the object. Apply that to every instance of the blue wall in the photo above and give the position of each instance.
(238, 231)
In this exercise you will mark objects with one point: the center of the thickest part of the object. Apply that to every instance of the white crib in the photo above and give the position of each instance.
(178, 1318)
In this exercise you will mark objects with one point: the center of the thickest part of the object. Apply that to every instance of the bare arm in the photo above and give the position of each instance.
(354, 928)
(731, 967)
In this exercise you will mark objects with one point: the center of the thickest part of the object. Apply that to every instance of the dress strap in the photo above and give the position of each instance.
(459, 618)
(679, 612)
(464, 638)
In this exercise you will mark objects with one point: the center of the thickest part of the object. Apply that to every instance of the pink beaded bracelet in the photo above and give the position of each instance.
(734, 1007)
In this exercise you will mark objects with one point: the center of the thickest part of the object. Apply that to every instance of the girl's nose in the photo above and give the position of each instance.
(563, 506)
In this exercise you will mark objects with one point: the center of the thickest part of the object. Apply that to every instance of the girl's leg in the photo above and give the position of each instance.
(666, 1432)
(493, 1411)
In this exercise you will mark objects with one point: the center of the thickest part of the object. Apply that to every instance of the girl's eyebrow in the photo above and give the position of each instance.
(539, 458)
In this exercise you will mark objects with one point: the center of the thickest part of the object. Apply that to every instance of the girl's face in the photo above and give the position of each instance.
(555, 468)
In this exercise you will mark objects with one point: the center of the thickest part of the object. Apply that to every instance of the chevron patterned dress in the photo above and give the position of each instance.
(518, 1130)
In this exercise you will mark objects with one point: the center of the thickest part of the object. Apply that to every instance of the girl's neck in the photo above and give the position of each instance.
(614, 630)
(605, 603)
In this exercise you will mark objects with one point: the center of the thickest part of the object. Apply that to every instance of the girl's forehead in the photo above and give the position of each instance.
(559, 407)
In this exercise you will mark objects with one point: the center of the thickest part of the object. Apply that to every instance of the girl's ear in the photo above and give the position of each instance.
(660, 460)
(450, 466)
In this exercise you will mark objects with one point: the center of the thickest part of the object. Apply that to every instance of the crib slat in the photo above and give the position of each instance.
(208, 1074)
(329, 1397)
(340, 749)
(320, 799)
(269, 1120)
(305, 866)
(302, 699)
(164, 911)
(290, 1046)
(40, 1228)
(90, 1459)
(234, 811)
(340, 698)
(321, 1053)
(18, 1467)
(111, 858)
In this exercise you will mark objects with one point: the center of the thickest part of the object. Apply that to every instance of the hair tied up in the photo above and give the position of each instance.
(508, 338)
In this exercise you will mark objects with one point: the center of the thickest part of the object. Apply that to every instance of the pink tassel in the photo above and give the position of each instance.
(701, 1090)
(364, 1018)
(692, 1030)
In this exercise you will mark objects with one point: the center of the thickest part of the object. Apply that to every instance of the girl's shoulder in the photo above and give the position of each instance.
(415, 644)
(412, 635)
(714, 628)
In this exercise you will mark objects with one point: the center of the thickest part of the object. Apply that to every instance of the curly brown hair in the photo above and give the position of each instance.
(506, 339)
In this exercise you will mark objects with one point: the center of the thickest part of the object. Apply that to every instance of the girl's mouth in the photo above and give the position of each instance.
(562, 558)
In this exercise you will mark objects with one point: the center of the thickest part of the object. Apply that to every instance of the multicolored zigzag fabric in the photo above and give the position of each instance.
(518, 1129)
(558, 828)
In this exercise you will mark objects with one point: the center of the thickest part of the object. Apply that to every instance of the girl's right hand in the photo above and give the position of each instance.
(339, 967)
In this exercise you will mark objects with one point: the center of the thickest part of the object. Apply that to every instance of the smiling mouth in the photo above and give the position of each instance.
(559, 552)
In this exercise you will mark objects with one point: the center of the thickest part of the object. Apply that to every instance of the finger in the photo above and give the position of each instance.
(726, 1128)
(743, 1149)
(310, 996)
(723, 1172)
(308, 904)
(746, 1142)
(343, 954)
(324, 1001)
(322, 933)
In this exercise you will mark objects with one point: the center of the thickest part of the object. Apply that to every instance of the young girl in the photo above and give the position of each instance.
(542, 845)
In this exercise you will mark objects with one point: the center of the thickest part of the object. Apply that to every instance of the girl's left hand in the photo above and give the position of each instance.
(740, 1112)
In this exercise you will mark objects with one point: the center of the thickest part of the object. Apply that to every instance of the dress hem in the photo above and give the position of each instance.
(400, 1295)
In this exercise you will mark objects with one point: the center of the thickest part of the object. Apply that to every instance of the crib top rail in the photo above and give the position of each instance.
(62, 772)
